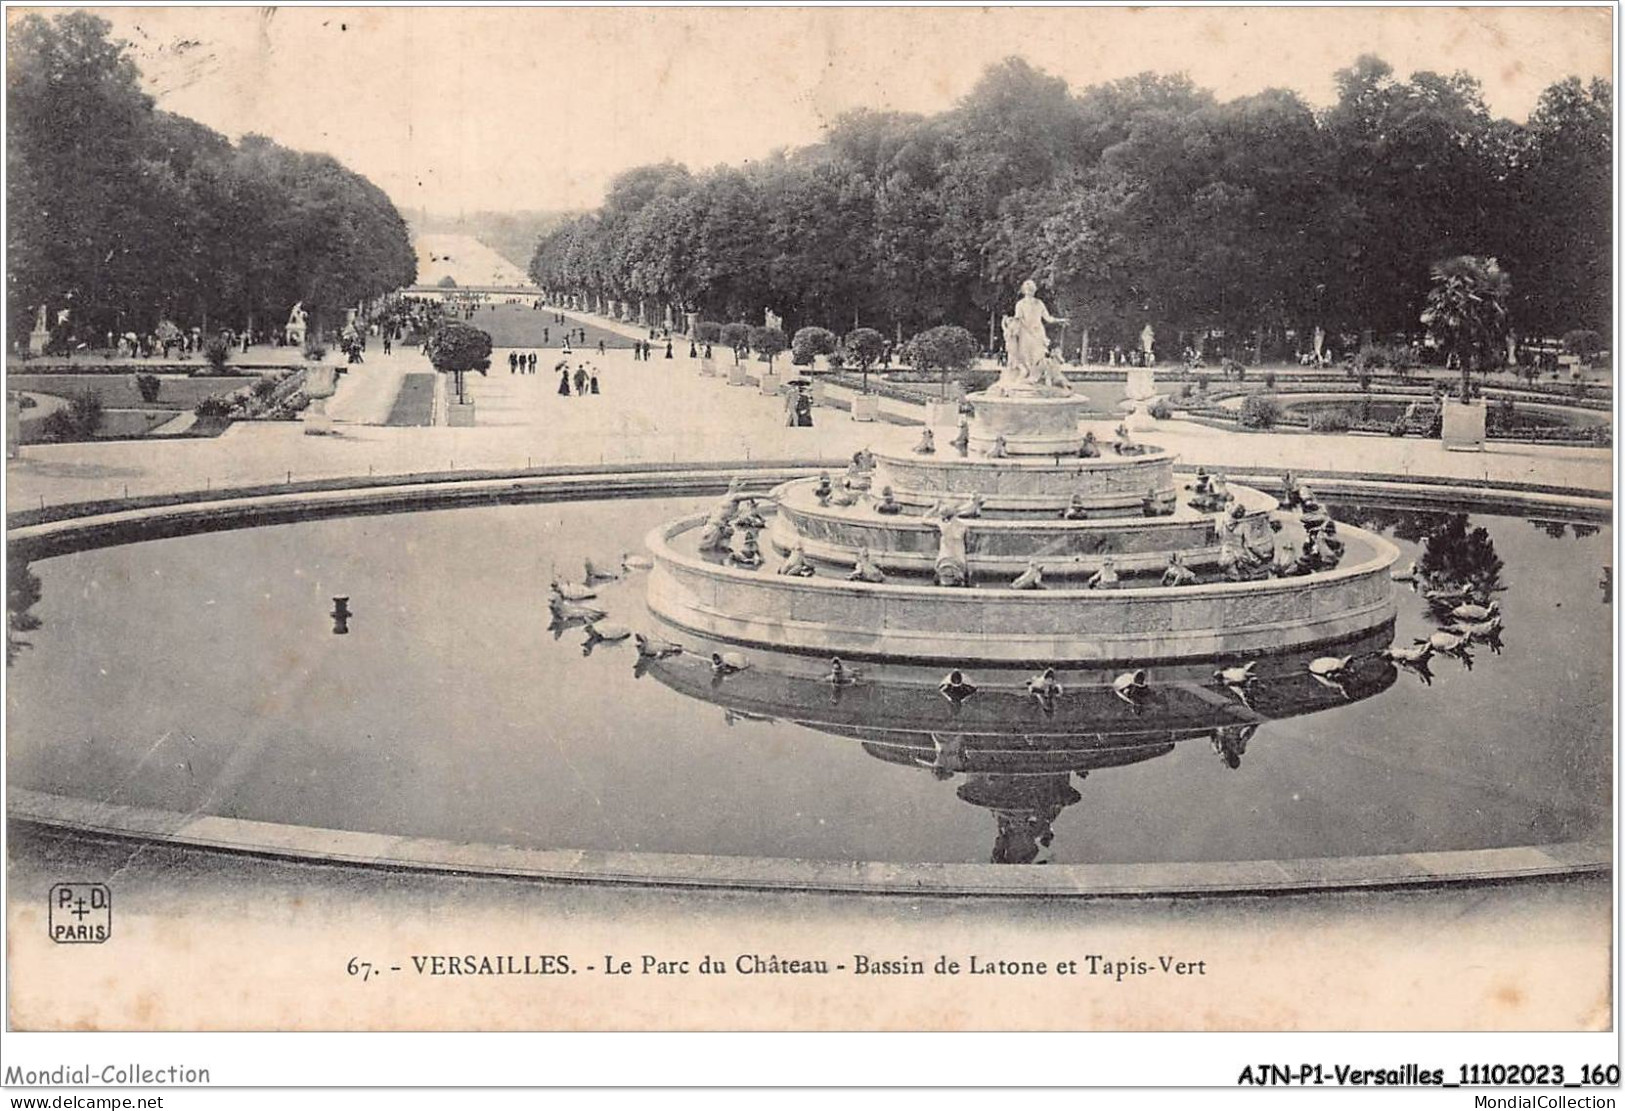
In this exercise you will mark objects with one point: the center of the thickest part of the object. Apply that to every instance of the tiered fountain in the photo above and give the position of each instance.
(932, 552)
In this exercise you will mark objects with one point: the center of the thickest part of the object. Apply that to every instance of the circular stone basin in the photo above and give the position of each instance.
(1001, 546)
(1030, 425)
(1032, 484)
(996, 624)
(200, 676)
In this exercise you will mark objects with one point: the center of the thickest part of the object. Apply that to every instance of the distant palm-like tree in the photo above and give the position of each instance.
(1466, 310)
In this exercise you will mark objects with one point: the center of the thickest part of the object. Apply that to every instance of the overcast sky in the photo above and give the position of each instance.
(469, 108)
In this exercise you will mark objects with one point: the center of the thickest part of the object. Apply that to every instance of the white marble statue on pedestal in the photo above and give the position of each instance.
(294, 331)
(1028, 365)
(41, 334)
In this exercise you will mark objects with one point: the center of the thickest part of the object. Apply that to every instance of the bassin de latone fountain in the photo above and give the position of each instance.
(1023, 541)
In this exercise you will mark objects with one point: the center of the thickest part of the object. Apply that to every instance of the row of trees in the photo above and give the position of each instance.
(945, 349)
(125, 215)
(1141, 201)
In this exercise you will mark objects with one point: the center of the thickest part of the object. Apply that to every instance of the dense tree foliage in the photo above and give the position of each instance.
(126, 216)
(947, 348)
(767, 342)
(811, 342)
(1144, 200)
(456, 348)
(863, 348)
(1466, 311)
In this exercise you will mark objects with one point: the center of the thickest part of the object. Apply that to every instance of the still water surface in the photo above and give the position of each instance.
(202, 675)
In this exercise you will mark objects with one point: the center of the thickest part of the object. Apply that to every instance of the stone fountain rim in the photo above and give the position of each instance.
(1385, 554)
(1152, 454)
(983, 397)
(342, 848)
(1257, 500)
(1238, 878)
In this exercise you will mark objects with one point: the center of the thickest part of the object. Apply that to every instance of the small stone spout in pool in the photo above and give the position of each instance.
(1446, 643)
(1045, 687)
(574, 612)
(839, 674)
(1131, 687)
(603, 632)
(656, 648)
(955, 688)
(1331, 672)
(1471, 611)
(592, 574)
(727, 663)
(572, 592)
(1238, 681)
(1413, 659)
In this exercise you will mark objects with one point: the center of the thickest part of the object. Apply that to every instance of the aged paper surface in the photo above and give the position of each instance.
(208, 940)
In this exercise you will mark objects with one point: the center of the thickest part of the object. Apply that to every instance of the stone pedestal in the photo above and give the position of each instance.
(320, 384)
(771, 383)
(866, 407)
(708, 367)
(459, 415)
(315, 420)
(736, 375)
(1463, 425)
(1030, 424)
(1142, 390)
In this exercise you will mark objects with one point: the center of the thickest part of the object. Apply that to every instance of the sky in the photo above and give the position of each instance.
(466, 109)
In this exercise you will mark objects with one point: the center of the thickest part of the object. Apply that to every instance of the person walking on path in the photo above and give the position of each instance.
(564, 380)
(513, 362)
(668, 349)
(531, 362)
(600, 348)
(581, 380)
(593, 388)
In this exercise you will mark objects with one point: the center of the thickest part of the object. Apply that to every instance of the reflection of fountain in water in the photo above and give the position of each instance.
(1019, 756)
